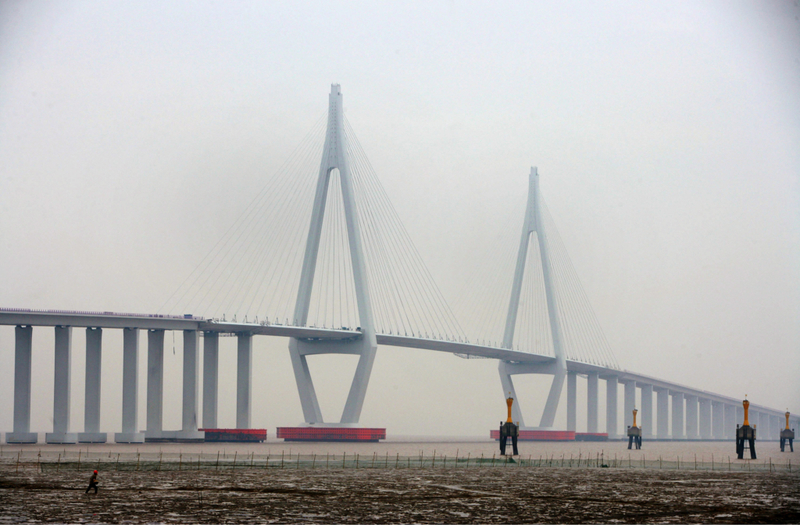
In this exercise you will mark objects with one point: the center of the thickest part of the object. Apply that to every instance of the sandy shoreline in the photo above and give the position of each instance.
(422, 495)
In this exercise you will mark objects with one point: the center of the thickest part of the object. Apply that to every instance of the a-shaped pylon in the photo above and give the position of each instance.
(333, 157)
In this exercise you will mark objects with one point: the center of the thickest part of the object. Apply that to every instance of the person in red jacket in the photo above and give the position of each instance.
(92, 483)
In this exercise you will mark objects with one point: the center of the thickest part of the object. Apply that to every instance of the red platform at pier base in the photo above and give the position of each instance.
(237, 435)
(331, 434)
(539, 435)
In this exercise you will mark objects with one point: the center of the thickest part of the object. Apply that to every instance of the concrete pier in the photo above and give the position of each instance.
(61, 388)
(629, 402)
(662, 416)
(612, 427)
(647, 414)
(730, 422)
(591, 400)
(210, 378)
(244, 379)
(572, 401)
(130, 388)
(155, 383)
(191, 372)
(23, 344)
(705, 418)
(91, 416)
(717, 420)
(691, 418)
(677, 416)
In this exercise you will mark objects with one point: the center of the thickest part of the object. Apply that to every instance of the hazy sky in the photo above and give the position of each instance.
(666, 134)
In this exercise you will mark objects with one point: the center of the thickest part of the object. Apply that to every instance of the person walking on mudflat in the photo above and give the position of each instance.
(92, 483)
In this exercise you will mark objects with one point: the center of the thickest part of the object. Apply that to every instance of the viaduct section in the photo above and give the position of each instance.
(679, 412)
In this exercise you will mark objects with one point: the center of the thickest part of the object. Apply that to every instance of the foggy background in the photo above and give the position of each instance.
(667, 138)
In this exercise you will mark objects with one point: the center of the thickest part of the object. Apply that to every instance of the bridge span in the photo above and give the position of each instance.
(357, 268)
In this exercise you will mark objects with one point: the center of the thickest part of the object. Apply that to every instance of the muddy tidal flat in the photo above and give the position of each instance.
(427, 495)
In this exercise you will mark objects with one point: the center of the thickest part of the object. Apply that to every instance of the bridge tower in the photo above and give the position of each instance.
(558, 369)
(334, 158)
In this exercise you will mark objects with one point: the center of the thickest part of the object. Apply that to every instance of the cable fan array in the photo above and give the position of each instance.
(252, 273)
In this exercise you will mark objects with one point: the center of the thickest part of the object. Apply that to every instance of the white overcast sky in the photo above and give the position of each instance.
(666, 134)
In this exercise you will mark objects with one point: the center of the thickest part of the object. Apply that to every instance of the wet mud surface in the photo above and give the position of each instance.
(470, 495)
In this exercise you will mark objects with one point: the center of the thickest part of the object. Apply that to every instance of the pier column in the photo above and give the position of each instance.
(717, 420)
(729, 429)
(61, 388)
(705, 418)
(761, 425)
(629, 403)
(755, 422)
(773, 433)
(130, 388)
(210, 378)
(155, 383)
(663, 413)
(191, 371)
(591, 399)
(612, 428)
(244, 377)
(677, 415)
(572, 401)
(647, 414)
(691, 418)
(91, 417)
(23, 343)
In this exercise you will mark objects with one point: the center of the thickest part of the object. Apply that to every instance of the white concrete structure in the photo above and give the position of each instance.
(662, 417)
(558, 368)
(677, 416)
(130, 388)
(244, 379)
(647, 414)
(612, 391)
(629, 403)
(23, 343)
(210, 378)
(61, 388)
(572, 401)
(334, 158)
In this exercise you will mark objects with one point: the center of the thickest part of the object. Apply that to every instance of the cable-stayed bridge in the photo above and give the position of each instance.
(320, 257)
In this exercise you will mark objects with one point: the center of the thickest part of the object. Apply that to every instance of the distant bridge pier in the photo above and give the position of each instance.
(647, 411)
(130, 388)
(244, 378)
(23, 343)
(677, 415)
(612, 388)
(662, 421)
(191, 376)
(717, 420)
(691, 418)
(591, 400)
(572, 401)
(155, 384)
(61, 388)
(730, 421)
(210, 378)
(91, 417)
(629, 402)
(705, 418)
